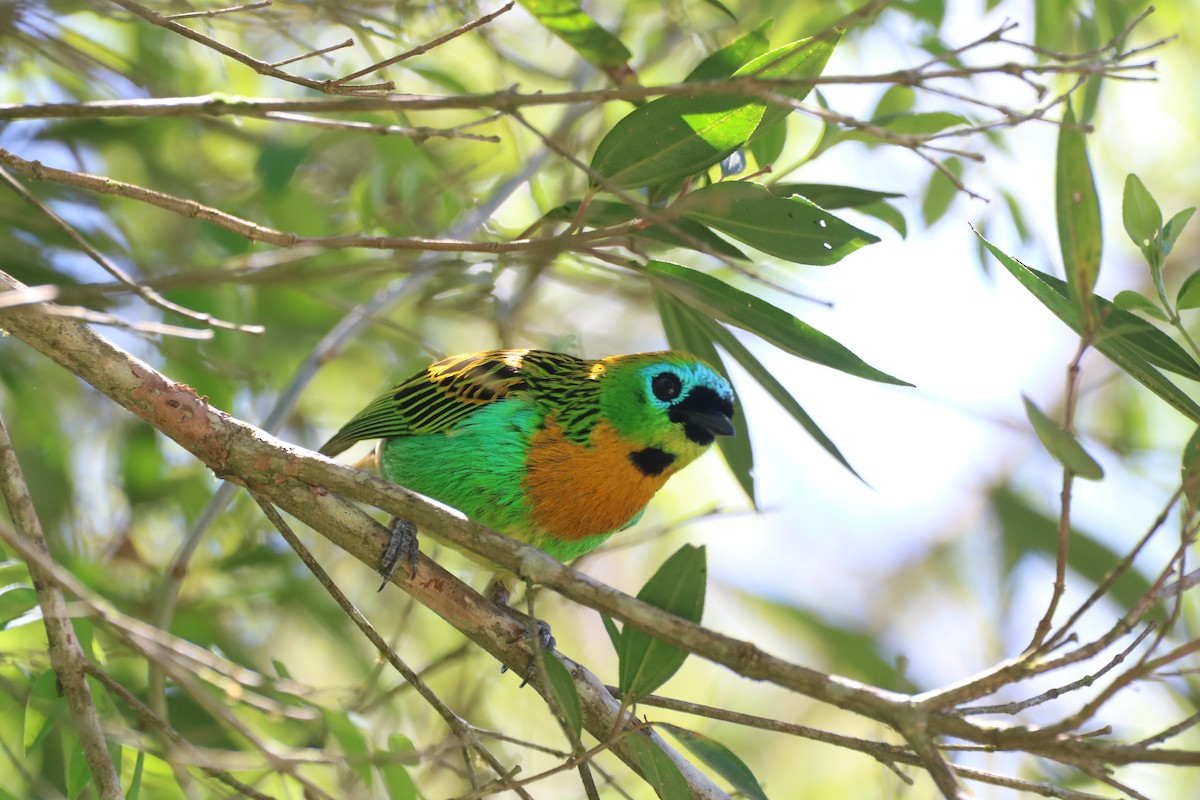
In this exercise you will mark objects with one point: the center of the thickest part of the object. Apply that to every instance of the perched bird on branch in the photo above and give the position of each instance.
(553, 450)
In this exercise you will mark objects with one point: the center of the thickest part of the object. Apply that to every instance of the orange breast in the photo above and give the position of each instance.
(576, 491)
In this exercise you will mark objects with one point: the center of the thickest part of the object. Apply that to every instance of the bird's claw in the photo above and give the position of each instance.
(402, 548)
(545, 640)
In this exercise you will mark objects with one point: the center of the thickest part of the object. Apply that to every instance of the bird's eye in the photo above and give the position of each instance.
(666, 386)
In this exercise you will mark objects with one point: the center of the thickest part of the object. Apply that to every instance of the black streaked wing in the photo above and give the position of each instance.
(445, 393)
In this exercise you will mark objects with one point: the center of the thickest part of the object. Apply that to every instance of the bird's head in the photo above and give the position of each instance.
(669, 401)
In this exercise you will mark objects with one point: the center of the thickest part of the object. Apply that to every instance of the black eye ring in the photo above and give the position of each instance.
(666, 386)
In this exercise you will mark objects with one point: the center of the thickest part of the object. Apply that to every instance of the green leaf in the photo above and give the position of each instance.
(719, 6)
(679, 232)
(43, 707)
(920, 124)
(1062, 444)
(724, 62)
(396, 780)
(657, 768)
(767, 144)
(135, 782)
(677, 136)
(16, 599)
(831, 195)
(725, 303)
(886, 213)
(1173, 228)
(1129, 300)
(1189, 293)
(79, 775)
(564, 691)
(730, 344)
(646, 663)
(940, 192)
(398, 783)
(1078, 213)
(1190, 472)
(720, 759)
(896, 100)
(1026, 530)
(793, 229)
(1124, 343)
(1143, 220)
(572, 24)
(352, 741)
(686, 331)
(610, 627)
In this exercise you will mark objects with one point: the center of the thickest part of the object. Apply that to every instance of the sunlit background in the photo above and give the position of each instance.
(901, 577)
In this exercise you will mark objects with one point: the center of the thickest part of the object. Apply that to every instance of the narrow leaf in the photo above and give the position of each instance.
(352, 741)
(940, 192)
(657, 768)
(1132, 359)
(564, 691)
(677, 136)
(724, 62)
(135, 782)
(730, 344)
(1143, 219)
(79, 775)
(610, 627)
(1190, 471)
(15, 600)
(646, 662)
(1130, 300)
(720, 759)
(1078, 212)
(571, 23)
(919, 124)
(1026, 530)
(1062, 444)
(1189, 292)
(43, 706)
(685, 331)
(832, 195)
(1173, 228)
(793, 229)
(725, 303)
(679, 232)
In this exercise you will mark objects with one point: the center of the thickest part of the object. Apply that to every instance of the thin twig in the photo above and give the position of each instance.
(459, 728)
(219, 11)
(66, 655)
(427, 46)
(149, 295)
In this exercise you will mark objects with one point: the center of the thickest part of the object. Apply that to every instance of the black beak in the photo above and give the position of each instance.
(713, 422)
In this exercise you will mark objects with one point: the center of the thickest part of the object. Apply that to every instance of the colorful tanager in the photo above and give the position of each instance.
(553, 450)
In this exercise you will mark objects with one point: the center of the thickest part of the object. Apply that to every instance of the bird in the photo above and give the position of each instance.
(553, 450)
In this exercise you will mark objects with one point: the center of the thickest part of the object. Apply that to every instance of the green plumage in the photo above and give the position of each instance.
(509, 437)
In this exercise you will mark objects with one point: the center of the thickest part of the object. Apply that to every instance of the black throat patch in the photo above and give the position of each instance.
(651, 461)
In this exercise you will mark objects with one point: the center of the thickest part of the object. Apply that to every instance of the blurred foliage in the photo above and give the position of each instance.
(117, 499)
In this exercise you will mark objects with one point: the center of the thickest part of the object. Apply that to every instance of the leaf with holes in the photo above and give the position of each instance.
(790, 228)
(679, 135)
(1143, 220)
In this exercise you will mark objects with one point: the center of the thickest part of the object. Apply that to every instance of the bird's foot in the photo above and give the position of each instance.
(402, 548)
(499, 593)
